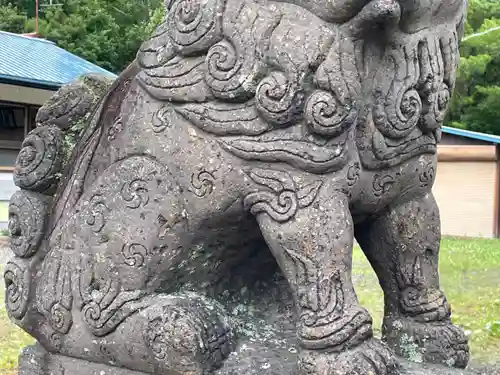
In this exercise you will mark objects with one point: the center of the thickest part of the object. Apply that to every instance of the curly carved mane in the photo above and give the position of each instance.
(278, 83)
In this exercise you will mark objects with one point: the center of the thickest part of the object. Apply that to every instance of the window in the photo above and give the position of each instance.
(12, 125)
(16, 121)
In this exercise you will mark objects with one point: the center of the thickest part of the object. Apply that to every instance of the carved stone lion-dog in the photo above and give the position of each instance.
(248, 136)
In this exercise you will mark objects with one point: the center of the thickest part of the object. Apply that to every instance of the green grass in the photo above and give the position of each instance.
(470, 276)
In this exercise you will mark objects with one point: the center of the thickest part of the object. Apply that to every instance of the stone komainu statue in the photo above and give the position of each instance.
(198, 215)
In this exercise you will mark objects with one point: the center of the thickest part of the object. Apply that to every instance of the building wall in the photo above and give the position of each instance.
(7, 188)
(8, 157)
(452, 139)
(24, 95)
(464, 192)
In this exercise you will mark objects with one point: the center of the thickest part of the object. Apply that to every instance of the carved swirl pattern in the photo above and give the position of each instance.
(233, 66)
(60, 318)
(409, 110)
(397, 113)
(383, 184)
(94, 215)
(27, 213)
(224, 71)
(281, 207)
(135, 193)
(195, 25)
(442, 98)
(17, 278)
(160, 119)
(54, 294)
(283, 198)
(397, 104)
(106, 306)
(426, 178)
(134, 254)
(278, 98)
(327, 116)
(202, 183)
(39, 161)
(353, 174)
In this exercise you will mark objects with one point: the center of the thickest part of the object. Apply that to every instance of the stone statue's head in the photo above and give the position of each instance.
(385, 68)
(411, 15)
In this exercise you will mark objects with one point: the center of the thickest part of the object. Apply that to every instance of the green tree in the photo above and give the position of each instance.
(24, 7)
(476, 101)
(11, 20)
(105, 32)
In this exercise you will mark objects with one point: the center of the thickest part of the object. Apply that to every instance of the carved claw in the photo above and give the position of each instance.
(434, 342)
(191, 328)
(372, 357)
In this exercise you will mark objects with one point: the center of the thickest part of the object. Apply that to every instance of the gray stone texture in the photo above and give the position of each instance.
(197, 215)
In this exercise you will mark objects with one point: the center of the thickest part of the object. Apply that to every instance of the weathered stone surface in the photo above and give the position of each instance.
(206, 203)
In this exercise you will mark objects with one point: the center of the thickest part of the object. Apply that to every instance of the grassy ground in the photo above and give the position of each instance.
(470, 276)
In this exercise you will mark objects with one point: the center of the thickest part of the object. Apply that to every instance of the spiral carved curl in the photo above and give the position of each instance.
(396, 117)
(39, 161)
(27, 213)
(60, 318)
(195, 25)
(17, 288)
(278, 98)
(326, 115)
(228, 72)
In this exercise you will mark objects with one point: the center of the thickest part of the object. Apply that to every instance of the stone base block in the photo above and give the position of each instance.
(252, 360)
(34, 360)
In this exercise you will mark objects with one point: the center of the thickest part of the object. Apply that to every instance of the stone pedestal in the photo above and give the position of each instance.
(250, 359)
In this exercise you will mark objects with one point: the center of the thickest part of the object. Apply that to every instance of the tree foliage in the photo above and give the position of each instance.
(105, 32)
(476, 101)
(11, 20)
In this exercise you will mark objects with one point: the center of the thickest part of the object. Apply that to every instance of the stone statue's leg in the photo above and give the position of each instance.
(314, 251)
(403, 246)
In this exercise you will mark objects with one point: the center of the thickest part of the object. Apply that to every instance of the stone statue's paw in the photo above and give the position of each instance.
(189, 331)
(371, 357)
(436, 342)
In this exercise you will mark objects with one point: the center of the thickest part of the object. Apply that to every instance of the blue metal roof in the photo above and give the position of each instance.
(35, 61)
(470, 134)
